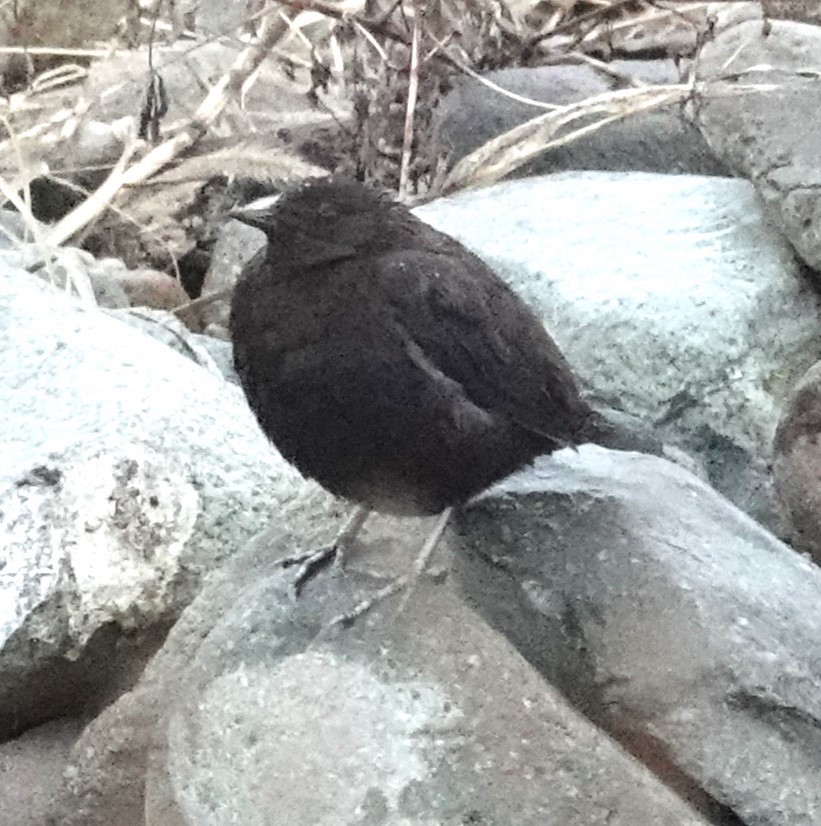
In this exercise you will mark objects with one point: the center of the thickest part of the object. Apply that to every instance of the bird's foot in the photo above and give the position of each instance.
(313, 562)
(406, 582)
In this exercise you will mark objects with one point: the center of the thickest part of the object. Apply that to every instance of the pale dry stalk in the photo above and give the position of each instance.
(413, 89)
(228, 87)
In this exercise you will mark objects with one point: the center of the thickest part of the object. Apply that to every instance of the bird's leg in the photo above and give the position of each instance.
(312, 563)
(406, 582)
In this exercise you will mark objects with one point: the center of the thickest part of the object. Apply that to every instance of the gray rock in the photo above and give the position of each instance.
(186, 73)
(797, 464)
(251, 714)
(663, 292)
(116, 88)
(664, 614)
(668, 616)
(236, 244)
(804, 10)
(88, 22)
(769, 135)
(221, 353)
(211, 354)
(128, 473)
(659, 141)
(143, 286)
(222, 17)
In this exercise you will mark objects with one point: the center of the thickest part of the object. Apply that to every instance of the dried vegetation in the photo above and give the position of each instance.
(114, 142)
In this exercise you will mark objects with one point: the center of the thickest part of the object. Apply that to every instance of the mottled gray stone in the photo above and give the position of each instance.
(768, 134)
(252, 714)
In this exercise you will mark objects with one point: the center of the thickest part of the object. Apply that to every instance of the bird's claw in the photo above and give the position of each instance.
(310, 564)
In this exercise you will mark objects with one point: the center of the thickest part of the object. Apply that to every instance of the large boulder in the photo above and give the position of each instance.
(660, 612)
(767, 131)
(662, 140)
(665, 614)
(256, 712)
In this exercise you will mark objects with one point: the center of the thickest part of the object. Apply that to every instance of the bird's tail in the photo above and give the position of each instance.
(621, 431)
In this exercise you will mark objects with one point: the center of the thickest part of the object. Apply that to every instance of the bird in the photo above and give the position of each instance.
(390, 363)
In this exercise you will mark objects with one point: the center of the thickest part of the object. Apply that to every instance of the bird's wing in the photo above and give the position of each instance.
(460, 316)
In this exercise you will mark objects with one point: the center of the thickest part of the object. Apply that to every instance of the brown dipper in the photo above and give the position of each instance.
(387, 361)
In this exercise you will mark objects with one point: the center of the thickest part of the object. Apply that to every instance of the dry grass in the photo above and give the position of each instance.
(378, 67)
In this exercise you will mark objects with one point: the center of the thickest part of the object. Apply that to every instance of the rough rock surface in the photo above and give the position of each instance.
(661, 612)
(31, 772)
(252, 714)
(128, 473)
(797, 464)
(187, 74)
(769, 135)
(221, 17)
(236, 244)
(273, 115)
(667, 615)
(663, 292)
(806, 11)
(212, 354)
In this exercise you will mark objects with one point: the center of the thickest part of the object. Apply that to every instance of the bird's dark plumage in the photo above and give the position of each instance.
(388, 362)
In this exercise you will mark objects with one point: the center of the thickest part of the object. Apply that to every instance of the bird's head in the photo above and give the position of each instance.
(323, 220)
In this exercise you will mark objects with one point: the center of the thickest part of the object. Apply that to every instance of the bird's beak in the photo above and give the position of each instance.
(256, 214)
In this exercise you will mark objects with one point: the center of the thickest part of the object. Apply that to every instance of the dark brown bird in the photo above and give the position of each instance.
(387, 361)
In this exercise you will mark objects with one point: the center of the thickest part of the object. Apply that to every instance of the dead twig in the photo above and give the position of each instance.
(229, 86)
(202, 301)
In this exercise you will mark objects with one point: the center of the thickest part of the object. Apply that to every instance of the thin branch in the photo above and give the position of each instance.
(202, 301)
(413, 89)
(574, 22)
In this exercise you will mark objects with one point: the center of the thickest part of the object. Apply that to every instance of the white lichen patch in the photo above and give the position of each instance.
(99, 541)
